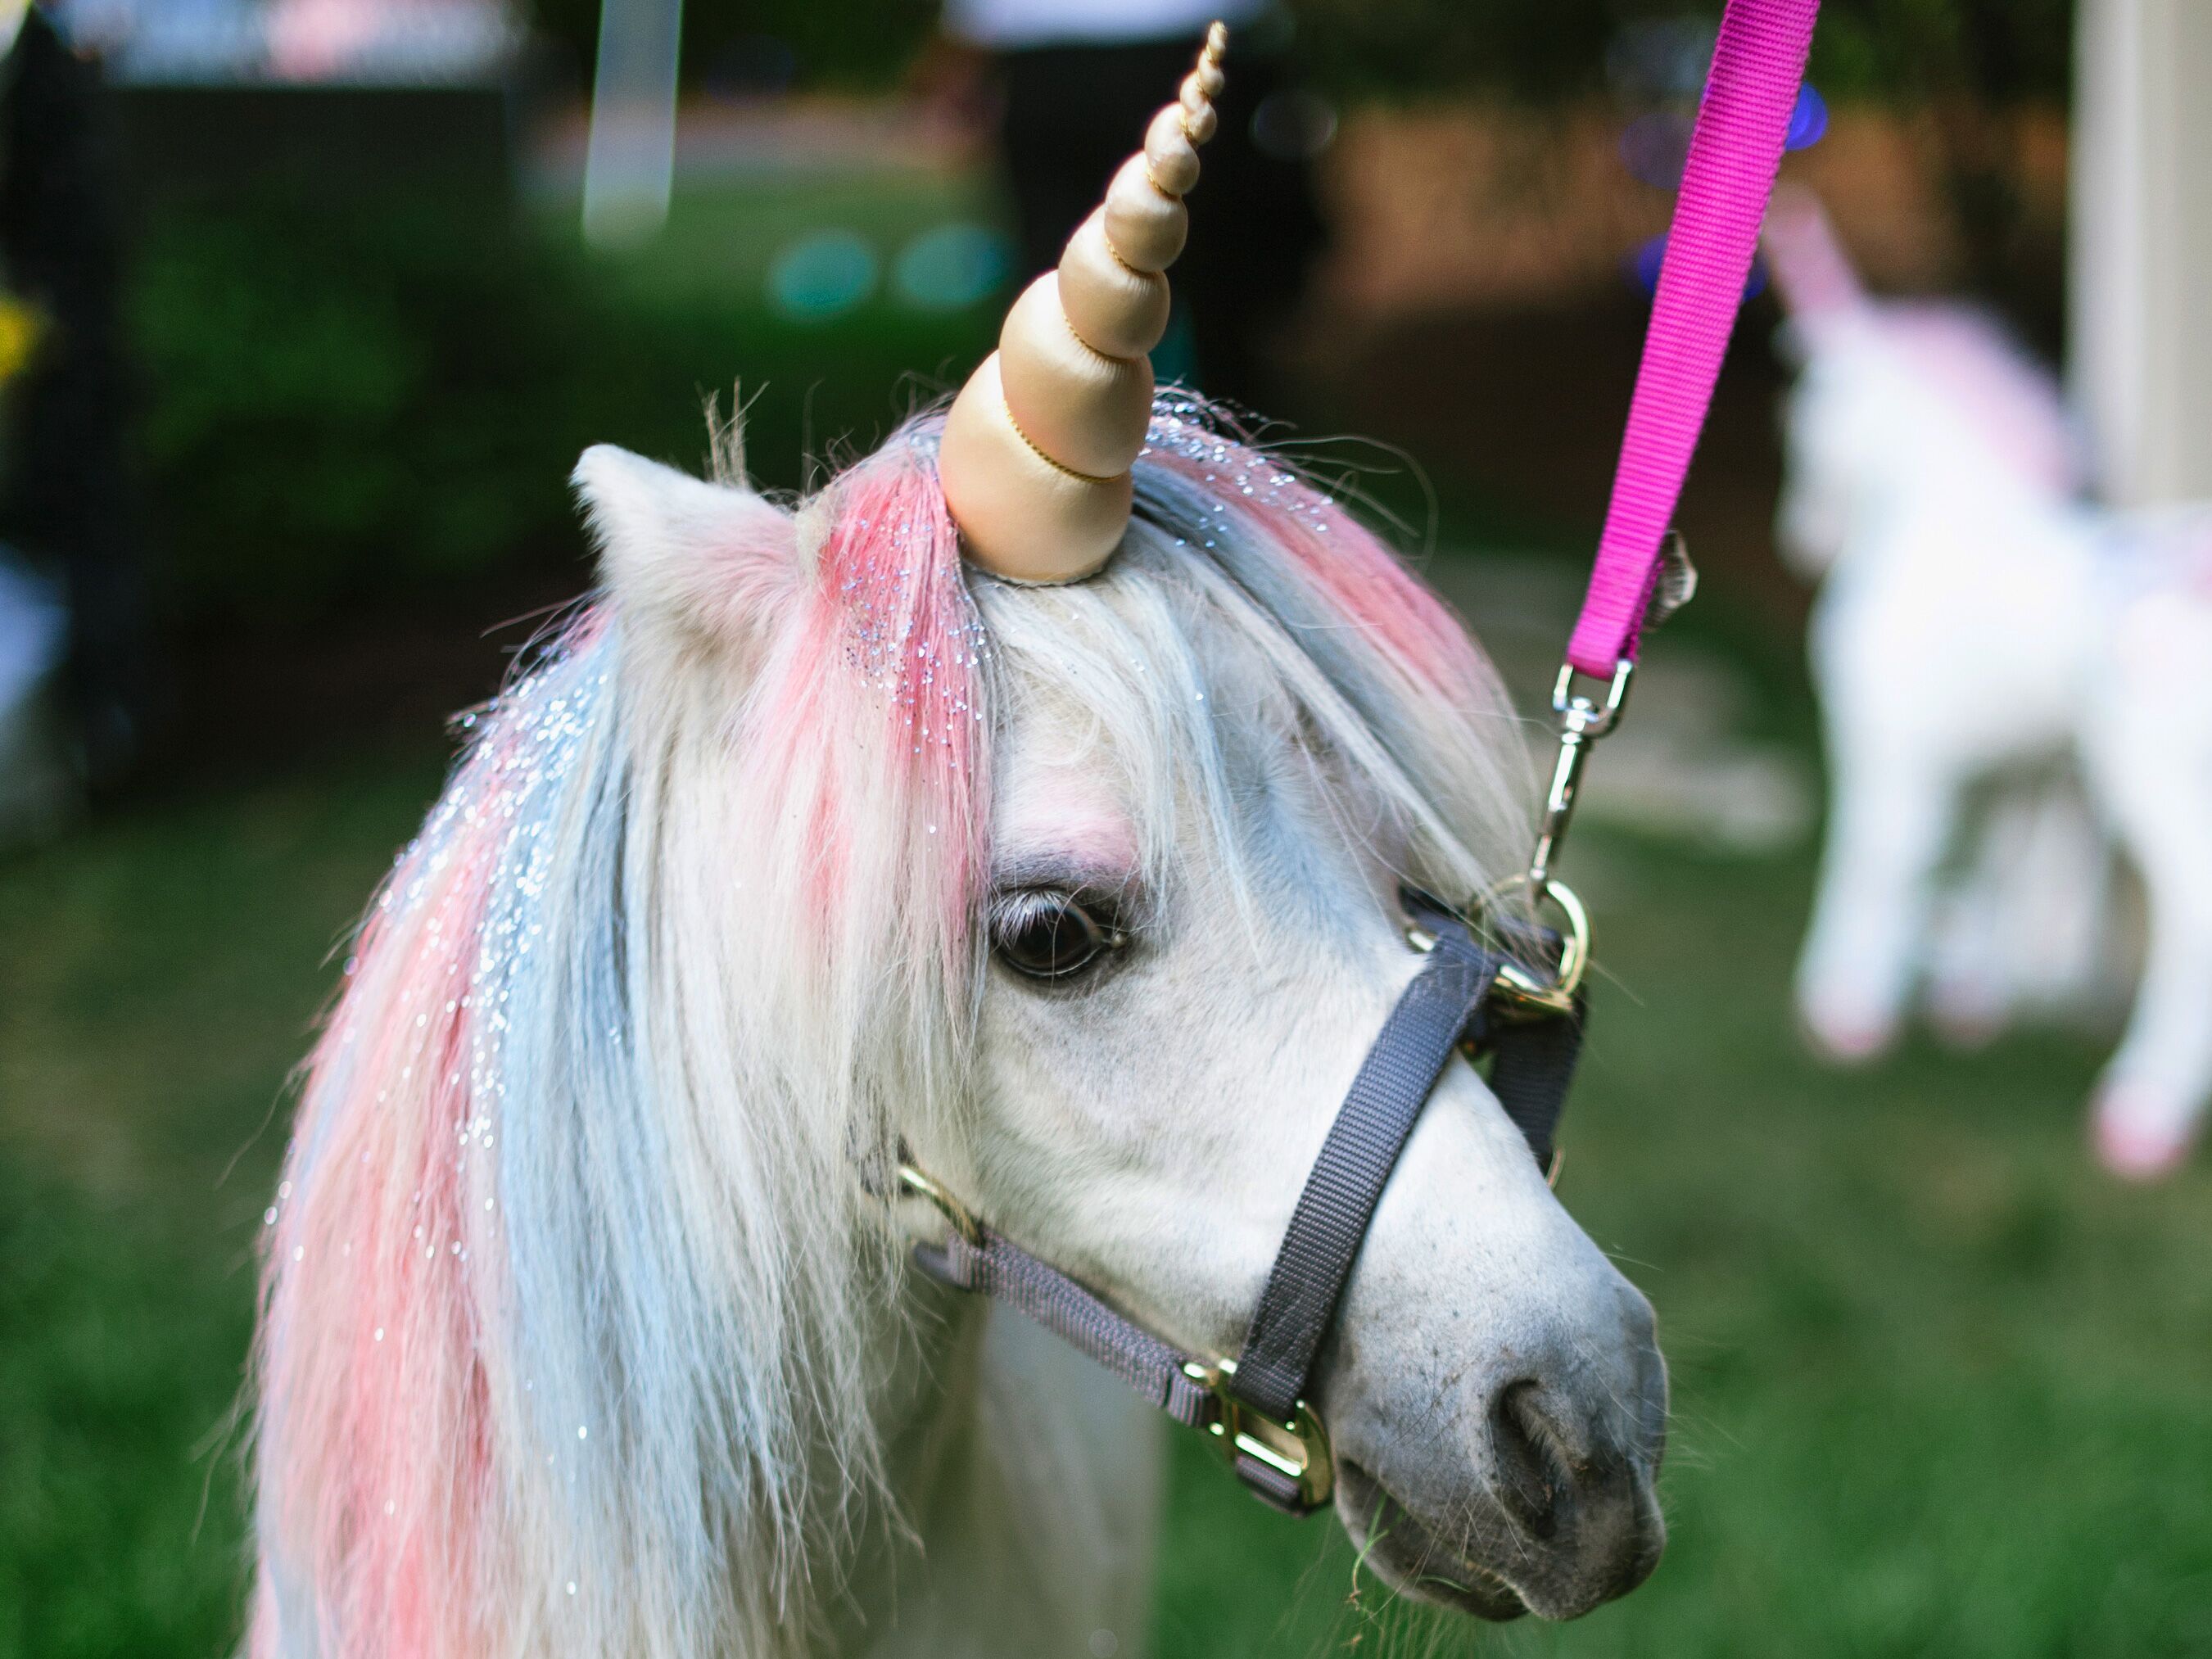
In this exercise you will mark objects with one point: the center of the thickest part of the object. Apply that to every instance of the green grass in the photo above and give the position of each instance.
(1940, 1390)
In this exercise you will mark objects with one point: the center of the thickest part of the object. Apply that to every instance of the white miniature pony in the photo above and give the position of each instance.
(586, 1333)
(586, 1329)
(1974, 617)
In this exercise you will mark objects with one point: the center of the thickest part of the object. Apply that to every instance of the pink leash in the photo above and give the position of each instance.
(1759, 64)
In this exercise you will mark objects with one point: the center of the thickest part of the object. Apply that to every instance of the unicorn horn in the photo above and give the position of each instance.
(1813, 275)
(1036, 456)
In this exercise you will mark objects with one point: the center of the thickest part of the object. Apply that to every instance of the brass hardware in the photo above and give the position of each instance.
(1298, 1449)
(921, 1186)
(1522, 994)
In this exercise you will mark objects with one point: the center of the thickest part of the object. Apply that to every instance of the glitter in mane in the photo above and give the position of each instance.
(574, 1274)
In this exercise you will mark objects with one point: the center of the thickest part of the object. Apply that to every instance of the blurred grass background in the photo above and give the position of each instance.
(1940, 1390)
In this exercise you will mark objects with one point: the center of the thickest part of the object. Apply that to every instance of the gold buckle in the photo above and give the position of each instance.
(921, 1186)
(1298, 1450)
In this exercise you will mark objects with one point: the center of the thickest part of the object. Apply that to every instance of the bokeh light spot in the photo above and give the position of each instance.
(1644, 263)
(1808, 122)
(1654, 147)
(951, 267)
(822, 274)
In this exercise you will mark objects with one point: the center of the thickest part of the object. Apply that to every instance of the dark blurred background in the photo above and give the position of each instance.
(1940, 1390)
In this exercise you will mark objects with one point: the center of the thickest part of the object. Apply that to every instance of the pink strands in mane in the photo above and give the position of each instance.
(887, 647)
(1355, 575)
(365, 1484)
(385, 1263)
(418, 1282)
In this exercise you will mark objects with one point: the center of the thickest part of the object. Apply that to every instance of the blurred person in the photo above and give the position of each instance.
(66, 497)
(1075, 77)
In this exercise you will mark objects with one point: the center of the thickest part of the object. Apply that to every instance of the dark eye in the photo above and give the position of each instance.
(1047, 934)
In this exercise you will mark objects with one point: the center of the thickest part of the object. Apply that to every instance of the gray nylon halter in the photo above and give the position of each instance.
(1259, 1406)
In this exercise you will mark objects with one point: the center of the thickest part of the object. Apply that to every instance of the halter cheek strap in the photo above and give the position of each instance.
(1259, 1406)
(1275, 1371)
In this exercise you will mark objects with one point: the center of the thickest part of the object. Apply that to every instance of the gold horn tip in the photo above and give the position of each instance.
(1217, 41)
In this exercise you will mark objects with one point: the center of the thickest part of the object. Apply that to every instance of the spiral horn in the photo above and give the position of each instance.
(1035, 455)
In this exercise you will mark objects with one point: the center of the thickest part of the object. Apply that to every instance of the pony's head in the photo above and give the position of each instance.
(812, 843)
(1898, 402)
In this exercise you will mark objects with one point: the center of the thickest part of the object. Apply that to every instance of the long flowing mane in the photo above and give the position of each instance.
(573, 1284)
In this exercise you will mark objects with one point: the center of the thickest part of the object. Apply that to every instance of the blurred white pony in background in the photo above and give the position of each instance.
(1975, 618)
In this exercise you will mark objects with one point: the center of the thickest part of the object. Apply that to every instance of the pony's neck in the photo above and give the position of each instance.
(1024, 1487)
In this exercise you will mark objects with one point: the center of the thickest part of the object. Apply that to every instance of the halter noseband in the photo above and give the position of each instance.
(1468, 996)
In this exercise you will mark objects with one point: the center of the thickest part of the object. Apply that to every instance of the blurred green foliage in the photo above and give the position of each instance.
(342, 402)
(378, 401)
(372, 402)
(850, 45)
(1899, 51)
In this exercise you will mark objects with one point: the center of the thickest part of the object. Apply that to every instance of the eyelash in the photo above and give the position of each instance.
(1036, 917)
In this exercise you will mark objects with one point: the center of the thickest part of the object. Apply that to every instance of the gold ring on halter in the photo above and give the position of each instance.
(1525, 996)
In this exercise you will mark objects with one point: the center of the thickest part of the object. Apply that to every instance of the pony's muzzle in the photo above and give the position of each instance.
(1578, 1494)
(1554, 1510)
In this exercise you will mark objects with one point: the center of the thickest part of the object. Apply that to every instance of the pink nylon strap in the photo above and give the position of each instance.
(1758, 62)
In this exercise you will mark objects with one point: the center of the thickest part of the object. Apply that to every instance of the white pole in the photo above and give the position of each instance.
(630, 161)
(2140, 255)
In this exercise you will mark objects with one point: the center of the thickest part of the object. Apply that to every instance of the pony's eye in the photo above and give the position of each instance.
(1047, 934)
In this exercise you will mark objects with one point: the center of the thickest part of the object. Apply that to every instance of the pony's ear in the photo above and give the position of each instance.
(711, 559)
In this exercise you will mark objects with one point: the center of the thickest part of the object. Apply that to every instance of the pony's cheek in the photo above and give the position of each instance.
(1063, 1073)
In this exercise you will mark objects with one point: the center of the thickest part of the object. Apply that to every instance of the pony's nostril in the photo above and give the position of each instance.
(1532, 1475)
